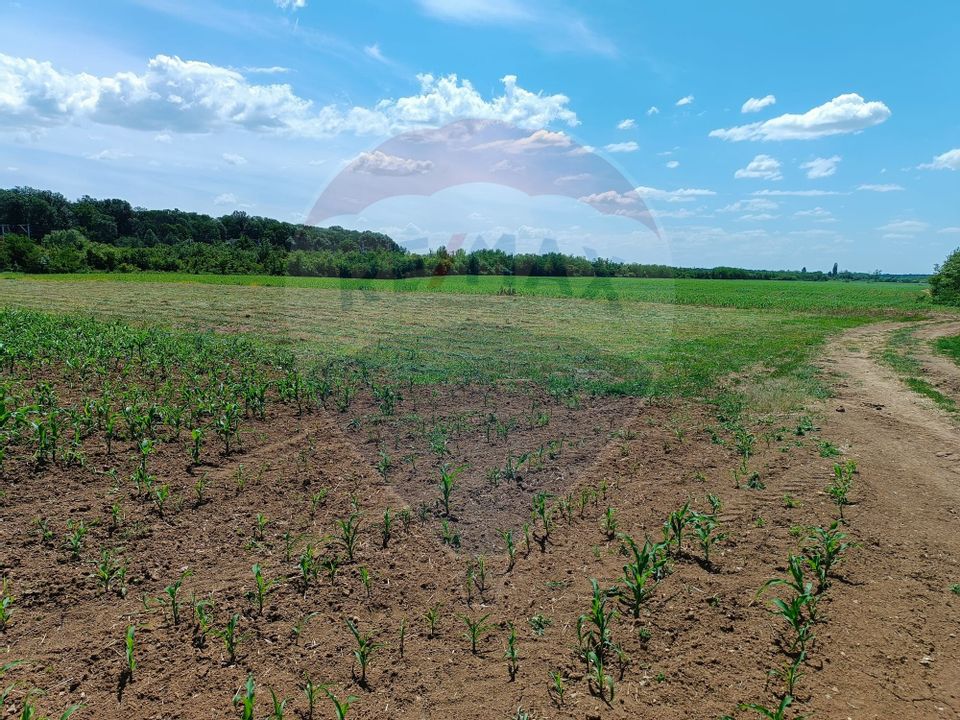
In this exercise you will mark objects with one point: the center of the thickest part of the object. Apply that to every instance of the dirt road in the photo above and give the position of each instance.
(894, 647)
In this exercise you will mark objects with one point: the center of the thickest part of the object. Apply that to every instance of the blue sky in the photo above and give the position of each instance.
(759, 134)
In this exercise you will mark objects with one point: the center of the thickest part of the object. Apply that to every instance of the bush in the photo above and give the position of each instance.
(945, 284)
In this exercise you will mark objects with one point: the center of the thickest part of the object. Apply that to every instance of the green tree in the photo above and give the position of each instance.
(945, 283)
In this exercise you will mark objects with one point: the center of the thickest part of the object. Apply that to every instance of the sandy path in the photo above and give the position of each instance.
(893, 644)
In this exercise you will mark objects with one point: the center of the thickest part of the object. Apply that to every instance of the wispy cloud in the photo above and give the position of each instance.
(685, 100)
(821, 167)
(757, 104)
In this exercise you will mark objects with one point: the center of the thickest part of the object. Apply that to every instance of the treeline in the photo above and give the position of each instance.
(44, 232)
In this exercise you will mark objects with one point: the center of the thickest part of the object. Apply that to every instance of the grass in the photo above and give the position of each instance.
(949, 346)
(842, 298)
(567, 343)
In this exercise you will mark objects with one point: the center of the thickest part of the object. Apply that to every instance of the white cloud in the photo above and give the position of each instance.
(678, 195)
(622, 147)
(949, 160)
(759, 217)
(225, 199)
(673, 164)
(905, 227)
(887, 187)
(757, 104)
(750, 205)
(177, 95)
(763, 167)
(271, 70)
(795, 193)
(476, 11)
(653, 110)
(685, 100)
(234, 159)
(164, 138)
(375, 52)
(818, 214)
(290, 4)
(844, 114)
(821, 167)
(379, 163)
(941, 231)
(109, 154)
(628, 124)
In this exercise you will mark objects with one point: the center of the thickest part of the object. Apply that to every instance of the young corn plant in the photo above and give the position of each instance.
(76, 532)
(448, 477)
(365, 580)
(706, 530)
(340, 707)
(311, 691)
(823, 551)
(597, 636)
(107, 571)
(790, 674)
(202, 621)
(673, 529)
(170, 598)
(512, 655)
(638, 576)
(386, 527)
(130, 646)
(364, 651)
(261, 588)
(349, 534)
(196, 436)
(245, 699)
(402, 635)
(839, 489)
(609, 524)
(432, 618)
(279, 705)
(777, 713)
(230, 637)
(600, 682)
(558, 687)
(7, 601)
(507, 536)
(476, 629)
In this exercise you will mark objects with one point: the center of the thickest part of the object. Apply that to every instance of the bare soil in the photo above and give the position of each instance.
(887, 646)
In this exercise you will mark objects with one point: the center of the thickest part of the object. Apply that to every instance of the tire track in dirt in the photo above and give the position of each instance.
(891, 638)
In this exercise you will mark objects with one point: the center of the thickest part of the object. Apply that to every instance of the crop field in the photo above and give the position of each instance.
(365, 500)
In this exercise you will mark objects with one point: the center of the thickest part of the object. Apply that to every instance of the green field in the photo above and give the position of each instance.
(949, 346)
(844, 298)
(625, 346)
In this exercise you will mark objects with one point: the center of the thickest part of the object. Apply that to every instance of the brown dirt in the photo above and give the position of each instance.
(888, 646)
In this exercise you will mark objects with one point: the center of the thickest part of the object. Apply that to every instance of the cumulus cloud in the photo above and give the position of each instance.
(949, 160)
(622, 147)
(189, 96)
(225, 199)
(821, 167)
(290, 4)
(628, 124)
(685, 100)
(905, 227)
(818, 213)
(762, 167)
(847, 113)
(672, 164)
(379, 163)
(653, 110)
(234, 159)
(883, 188)
(757, 104)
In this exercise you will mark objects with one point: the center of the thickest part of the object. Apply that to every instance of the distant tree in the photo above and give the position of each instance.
(834, 271)
(803, 269)
(945, 283)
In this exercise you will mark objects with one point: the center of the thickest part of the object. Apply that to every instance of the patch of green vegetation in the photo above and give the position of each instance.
(834, 298)
(949, 346)
(926, 389)
(569, 345)
(899, 355)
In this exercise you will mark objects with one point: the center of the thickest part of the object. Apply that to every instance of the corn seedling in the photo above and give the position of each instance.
(170, 598)
(196, 435)
(447, 483)
(479, 573)
(824, 551)
(673, 529)
(526, 538)
(341, 707)
(30, 712)
(297, 630)
(609, 523)
(261, 588)
(311, 691)
(108, 570)
(202, 620)
(402, 635)
(790, 674)
(116, 517)
(349, 534)
(130, 645)
(364, 651)
(448, 536)
(317, 499)
(386, 527)
(512, 655)
(160, 495)
(331, 565)
(600, 682)
(705, 529)
(230, 637)
(7, 601)
(245, 699)
(476, 630)
(365, 580)
(542, 512)
(45, 533)
(279, 705)
(638, 576)
(557, 686)
(261, 525)
(432, 617)
(76, 532)
(777, 713)
(597, 622)
(839, 489)
(507, 536)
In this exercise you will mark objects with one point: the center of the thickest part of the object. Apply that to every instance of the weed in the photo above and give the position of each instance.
(108, 570)
(828, 449)
(539, 623)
